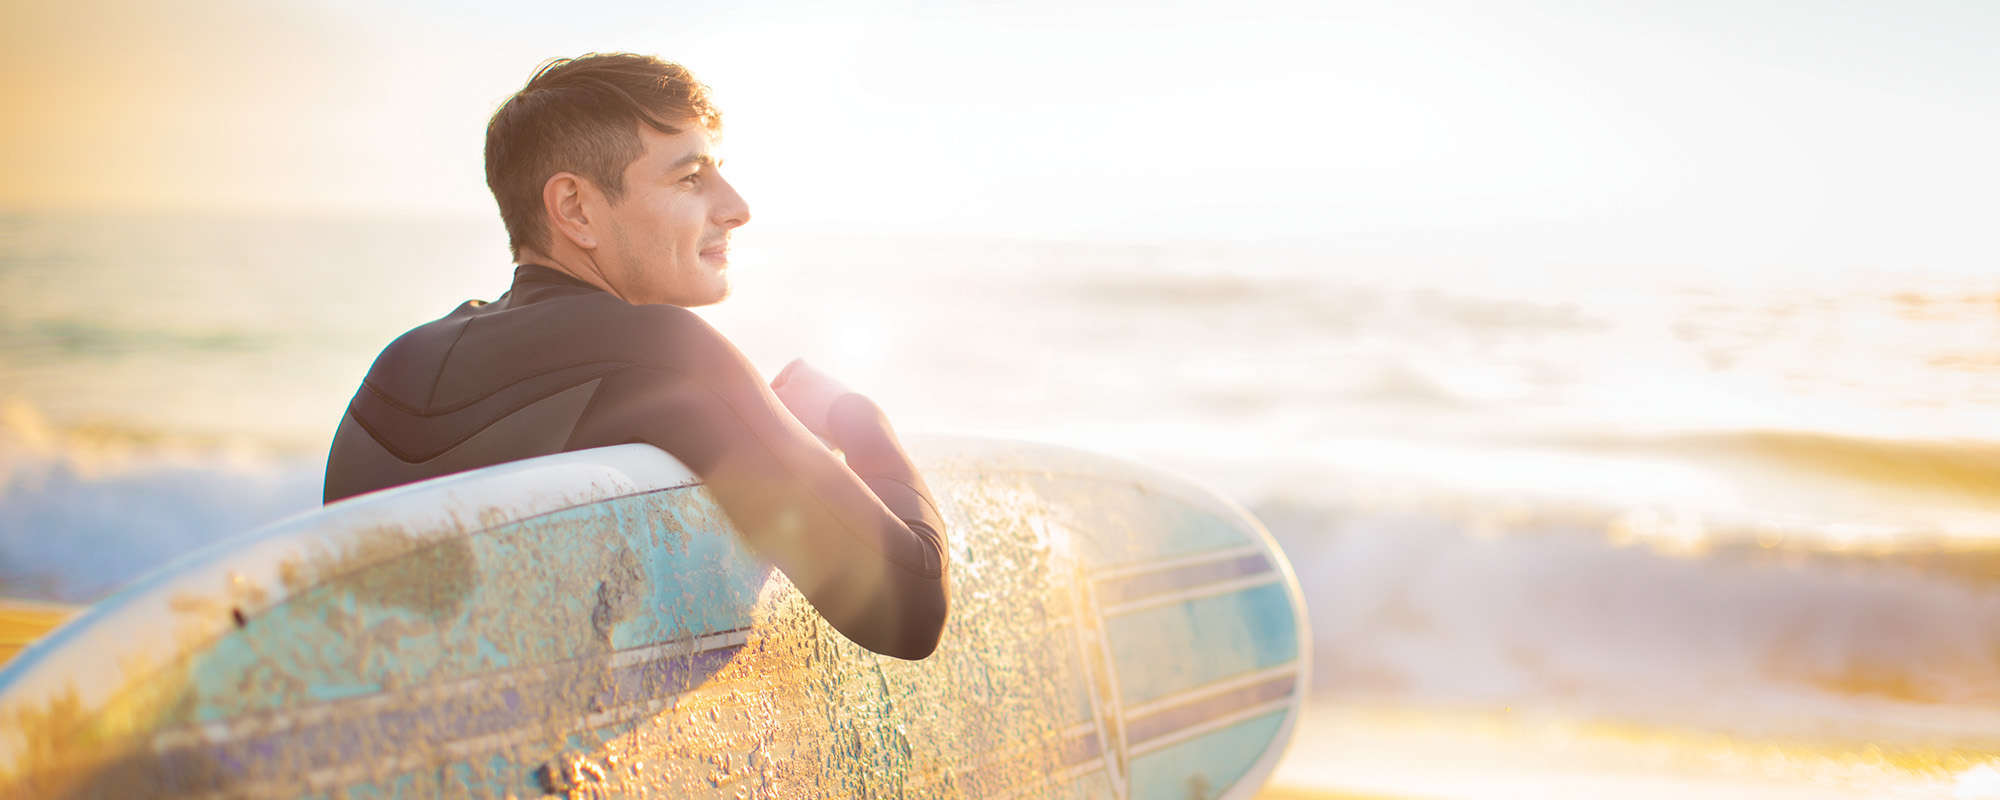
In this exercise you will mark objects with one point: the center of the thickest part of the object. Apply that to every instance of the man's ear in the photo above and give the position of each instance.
(563, 205)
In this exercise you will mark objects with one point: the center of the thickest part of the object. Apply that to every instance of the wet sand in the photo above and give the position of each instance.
(1385, 752)
(1296, 793)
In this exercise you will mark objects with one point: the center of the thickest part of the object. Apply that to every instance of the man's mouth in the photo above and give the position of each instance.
(716, 252)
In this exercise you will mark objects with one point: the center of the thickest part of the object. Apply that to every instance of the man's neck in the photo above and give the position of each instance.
(576, 265)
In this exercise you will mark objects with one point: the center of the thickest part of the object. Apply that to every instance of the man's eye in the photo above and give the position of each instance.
(691, 178)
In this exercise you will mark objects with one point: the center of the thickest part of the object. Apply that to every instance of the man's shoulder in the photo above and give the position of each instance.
(443, 328)
(410, 363)
(585, 327)
(599, 322)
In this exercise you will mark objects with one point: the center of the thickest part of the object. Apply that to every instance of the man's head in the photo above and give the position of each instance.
(604, 165)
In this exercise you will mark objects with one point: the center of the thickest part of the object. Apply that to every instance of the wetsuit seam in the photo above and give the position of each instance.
(913, 490)
(445, 362)
(935, 539)
(391, 401)
(398, 452)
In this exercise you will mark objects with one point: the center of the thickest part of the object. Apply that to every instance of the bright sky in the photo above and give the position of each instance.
(1814, 135)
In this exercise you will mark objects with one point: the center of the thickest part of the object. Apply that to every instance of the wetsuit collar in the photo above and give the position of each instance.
(534, 282)
(541, 274)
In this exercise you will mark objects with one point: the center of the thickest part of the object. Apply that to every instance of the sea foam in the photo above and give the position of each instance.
(1414, 606)
(83, 512)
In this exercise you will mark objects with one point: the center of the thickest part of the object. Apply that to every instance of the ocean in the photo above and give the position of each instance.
(1564, 529)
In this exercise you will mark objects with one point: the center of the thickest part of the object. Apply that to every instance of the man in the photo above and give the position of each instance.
(619, 219)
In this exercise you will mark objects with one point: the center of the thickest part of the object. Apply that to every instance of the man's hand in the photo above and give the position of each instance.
(809, 395)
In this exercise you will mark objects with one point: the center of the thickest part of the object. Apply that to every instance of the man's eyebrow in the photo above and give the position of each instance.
(703, 159)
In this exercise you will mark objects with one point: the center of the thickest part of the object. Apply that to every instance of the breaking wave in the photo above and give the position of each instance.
(1563, 613)
(84, 511)
(1967, 469)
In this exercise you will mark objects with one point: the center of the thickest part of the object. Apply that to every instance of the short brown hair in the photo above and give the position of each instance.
(582, 115)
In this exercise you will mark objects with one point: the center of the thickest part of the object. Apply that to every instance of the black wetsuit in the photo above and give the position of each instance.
(557, 364)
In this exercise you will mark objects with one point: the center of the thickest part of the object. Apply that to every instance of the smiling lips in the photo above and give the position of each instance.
(717, 252)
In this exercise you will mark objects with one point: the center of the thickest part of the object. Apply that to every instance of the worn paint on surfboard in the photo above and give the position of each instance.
(587, 623)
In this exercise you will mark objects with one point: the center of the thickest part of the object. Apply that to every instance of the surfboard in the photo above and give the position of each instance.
(588, 624)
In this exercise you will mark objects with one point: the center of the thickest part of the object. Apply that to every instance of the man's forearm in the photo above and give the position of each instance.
(862, 431)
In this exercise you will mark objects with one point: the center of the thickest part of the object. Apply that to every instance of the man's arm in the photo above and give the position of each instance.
(862, 541)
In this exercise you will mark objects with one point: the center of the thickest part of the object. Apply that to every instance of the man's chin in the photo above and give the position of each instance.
(711, 296)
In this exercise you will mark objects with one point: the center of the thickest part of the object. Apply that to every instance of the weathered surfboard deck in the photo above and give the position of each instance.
(588, 624)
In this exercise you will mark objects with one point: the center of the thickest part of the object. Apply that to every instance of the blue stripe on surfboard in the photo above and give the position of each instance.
(1230, 634)
(1204, 765)
(488, 708)
(400, 730)
(1166, 721)
(1118, 591)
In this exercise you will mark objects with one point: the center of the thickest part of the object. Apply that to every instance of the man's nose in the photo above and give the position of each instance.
(732, 211)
